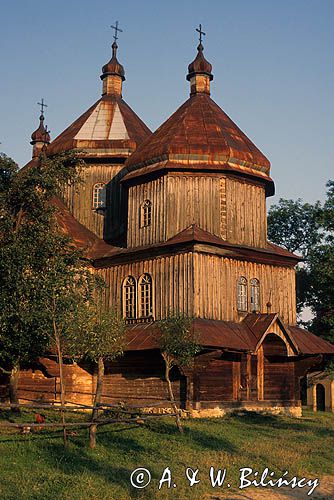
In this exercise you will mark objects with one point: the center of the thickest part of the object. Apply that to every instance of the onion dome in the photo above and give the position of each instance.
(40, 138)
(200, 137)
(109, 128)
(199, 65)
(41, 134)
(113, 67)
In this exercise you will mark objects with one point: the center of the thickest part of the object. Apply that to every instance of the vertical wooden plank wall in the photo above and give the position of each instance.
(79, 199)
(172, 282)
(215, 280)
(246, 218)
(205, 285)
(234, 210)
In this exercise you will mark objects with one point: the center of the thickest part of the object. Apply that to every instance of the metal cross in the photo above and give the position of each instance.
(200, 33)
(42, 105)
(117, 29)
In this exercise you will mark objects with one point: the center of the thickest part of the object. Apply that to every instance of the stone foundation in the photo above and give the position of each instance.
(218, 411)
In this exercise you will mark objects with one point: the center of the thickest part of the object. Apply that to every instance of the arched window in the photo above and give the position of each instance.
(129, 298)
(255, 295)
(242, 294)
(145, 296)
(146, 213)
(99, 195)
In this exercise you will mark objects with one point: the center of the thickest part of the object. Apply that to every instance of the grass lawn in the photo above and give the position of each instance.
(36, 466)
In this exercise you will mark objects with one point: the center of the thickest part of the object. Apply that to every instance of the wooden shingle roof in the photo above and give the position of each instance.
(243, 336)
(108, 128)
(200, 135)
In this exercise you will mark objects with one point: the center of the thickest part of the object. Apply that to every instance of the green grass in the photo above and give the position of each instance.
(36, 466)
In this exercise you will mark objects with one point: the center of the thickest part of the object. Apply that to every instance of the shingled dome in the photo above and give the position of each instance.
(200, 136)
(41, 134)
(113, 67)
(109, 128)
(200, 65)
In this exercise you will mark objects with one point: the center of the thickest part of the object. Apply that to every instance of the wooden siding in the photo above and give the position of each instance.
(278, 370)
(79, 199)
(34, 384)
(155, 191)
(231, 209)
(278, 379)
(246, 219)
(136, 378)
(215, 280)
(193, 199)
(204, 285)
(172, 282)
(177, 202)
(217, 380)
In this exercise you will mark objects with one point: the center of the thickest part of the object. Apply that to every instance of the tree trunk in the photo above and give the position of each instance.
(171, 394)
(97, 400)
(13, 387)
(62, 389)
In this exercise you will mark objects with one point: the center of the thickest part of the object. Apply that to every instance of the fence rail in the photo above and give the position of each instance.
(120, 408)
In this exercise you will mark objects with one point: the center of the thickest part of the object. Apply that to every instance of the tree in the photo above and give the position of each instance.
(321, 271)
(309, 230)
(294, 225)
(178, 346)
(29, 241)
(67, 288)
(101, 340)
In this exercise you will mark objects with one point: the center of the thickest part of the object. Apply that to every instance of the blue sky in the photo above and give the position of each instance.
(272, 64)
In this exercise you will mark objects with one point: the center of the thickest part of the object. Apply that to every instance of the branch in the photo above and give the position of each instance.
(7, 372)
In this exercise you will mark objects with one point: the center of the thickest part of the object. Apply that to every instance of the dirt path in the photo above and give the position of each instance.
(325, 491)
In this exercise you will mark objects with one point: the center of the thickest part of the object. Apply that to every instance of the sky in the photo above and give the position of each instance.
(272, 65)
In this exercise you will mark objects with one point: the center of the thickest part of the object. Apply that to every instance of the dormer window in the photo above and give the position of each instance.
(99, 196)
(146, 214)
(255, 295)
(242, 294)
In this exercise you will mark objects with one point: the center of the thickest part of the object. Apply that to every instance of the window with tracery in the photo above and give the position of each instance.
(145, 296)
(129, 297)
(255, 295)
(146, 214)
(99, 195)
(242, 294)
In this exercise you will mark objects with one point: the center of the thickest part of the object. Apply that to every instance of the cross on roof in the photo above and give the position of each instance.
(200, 33)
(117, 29)
(42, 105)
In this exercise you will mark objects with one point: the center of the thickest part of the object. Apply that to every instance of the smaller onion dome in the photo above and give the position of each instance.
(41, 134)
(200, 66)
(40, 139)
(113, 67)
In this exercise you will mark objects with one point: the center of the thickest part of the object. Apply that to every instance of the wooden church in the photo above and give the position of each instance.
(176, 220)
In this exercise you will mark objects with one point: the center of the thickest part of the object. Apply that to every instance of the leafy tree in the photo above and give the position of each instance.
(67, 290)
(321, 272)
(101, 340)
(178, 346)
(30, 241)
(309, 230)
(294, 225)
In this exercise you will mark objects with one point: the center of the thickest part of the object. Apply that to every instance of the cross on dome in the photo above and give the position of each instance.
(117, 29)
(42, 105)
(199, 30)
